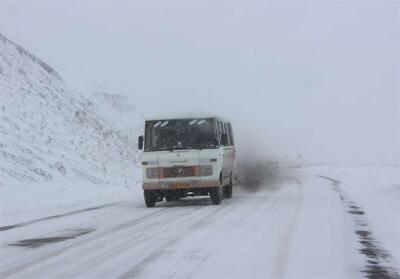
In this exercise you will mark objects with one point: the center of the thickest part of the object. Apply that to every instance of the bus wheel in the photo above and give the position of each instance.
(216, 195)
(228, 189)
(149, 198)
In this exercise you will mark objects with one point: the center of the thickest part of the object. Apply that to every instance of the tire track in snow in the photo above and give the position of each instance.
(127, 241)
(112, 217)
(34, 221)
(286, 240)
(378, 260)
(30, 262)
(136, 270)
(238, 219)
(247, 230)
(94, 254)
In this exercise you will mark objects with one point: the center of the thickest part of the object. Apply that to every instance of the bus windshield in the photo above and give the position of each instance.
(180, 134)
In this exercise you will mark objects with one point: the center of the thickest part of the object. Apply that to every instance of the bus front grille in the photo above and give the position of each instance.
(179, 172)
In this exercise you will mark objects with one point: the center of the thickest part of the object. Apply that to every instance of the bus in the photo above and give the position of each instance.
(192, 156)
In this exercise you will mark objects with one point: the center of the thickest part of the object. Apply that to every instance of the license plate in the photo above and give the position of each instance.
(179, 185)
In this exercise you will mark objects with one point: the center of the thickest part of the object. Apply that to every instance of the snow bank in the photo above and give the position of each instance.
(55, 140)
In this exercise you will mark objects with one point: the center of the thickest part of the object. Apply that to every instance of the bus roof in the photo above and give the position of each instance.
(183, 116)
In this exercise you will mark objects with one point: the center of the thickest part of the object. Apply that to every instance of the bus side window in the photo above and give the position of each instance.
(219, 131)
(230, 134)
(228, 127)
(217, 135)
(226, 132)
(222, 128)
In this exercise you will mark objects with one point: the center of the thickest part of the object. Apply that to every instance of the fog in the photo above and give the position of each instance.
(302, 82)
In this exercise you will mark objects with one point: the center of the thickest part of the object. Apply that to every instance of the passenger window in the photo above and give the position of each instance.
(228, 128)
(226, 131)
(230, 134)
(219, 130)
(216, 131)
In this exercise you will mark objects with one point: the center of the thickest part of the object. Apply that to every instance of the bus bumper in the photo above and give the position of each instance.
(174, 185)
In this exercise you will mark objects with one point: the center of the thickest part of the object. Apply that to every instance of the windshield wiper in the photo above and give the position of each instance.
(172, 148)
(200, 147)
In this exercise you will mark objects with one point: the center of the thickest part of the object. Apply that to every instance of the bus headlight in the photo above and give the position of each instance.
(206, 170)
(152, 172)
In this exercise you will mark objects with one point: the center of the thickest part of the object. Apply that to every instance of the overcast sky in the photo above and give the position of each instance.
(317, 79)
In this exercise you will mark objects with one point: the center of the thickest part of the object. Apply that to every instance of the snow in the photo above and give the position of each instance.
(294, 226)
(376, 189)
(21, 202)
(52, 133)
(71, 204)
(59, 147)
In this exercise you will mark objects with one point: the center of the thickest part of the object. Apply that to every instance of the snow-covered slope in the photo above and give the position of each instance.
(52, 133)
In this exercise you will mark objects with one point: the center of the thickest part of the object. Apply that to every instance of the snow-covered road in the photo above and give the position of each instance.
(303, 226)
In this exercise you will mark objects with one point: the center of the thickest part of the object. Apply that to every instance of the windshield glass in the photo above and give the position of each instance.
(180, 134)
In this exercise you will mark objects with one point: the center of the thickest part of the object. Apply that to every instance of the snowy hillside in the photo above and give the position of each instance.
(50, 133)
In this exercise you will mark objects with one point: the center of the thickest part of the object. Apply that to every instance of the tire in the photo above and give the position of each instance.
(228, 190)
(150, 198)
(216, 195)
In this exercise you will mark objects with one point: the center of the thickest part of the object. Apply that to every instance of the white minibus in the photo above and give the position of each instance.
(191, 156)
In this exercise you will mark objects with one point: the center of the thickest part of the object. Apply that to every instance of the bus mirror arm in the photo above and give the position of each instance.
(140, 142)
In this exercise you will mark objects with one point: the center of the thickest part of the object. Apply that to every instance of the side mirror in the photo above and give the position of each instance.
(140, 142)
(224, 139)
